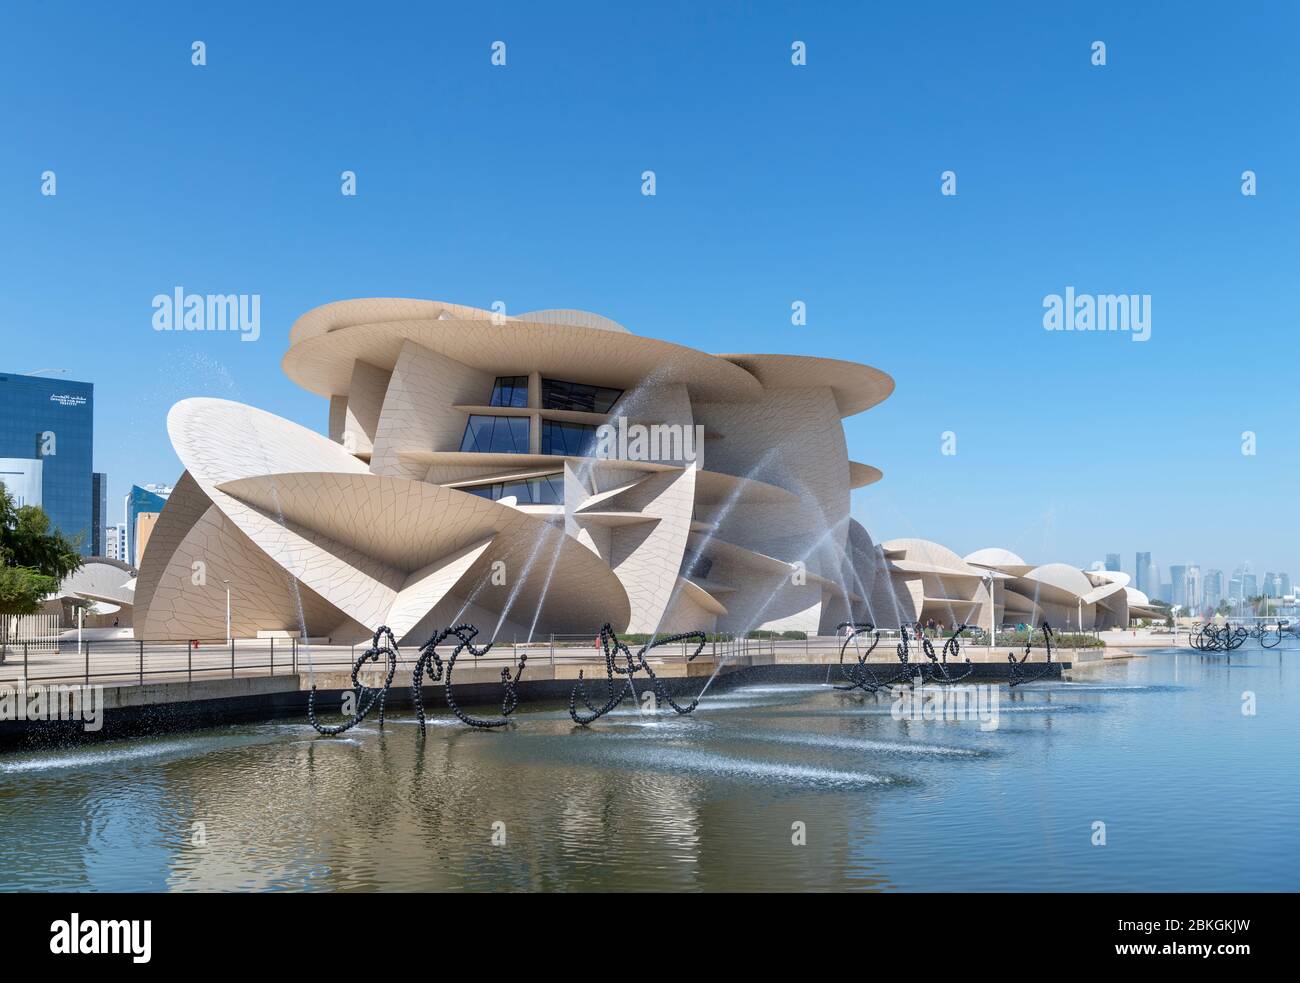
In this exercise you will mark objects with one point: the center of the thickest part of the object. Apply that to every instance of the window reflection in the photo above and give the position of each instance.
(546, 490)
(559, 395)
(570, 439)
(510, 390)
(496, 435)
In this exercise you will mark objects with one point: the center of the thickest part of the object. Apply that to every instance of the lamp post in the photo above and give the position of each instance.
(227, 583)
(992, 616)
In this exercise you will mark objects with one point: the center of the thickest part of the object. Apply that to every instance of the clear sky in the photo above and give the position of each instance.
(775, 183)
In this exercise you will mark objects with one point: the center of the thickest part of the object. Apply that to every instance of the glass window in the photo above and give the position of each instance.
(510, 390)
(496, 435)
(546, 490)
(569, 439)
(557, 395)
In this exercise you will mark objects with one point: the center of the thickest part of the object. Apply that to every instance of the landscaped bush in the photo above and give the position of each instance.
(1073, 640)
(640, 638)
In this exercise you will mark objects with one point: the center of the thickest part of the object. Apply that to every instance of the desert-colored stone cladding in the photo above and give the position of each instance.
(376, 523)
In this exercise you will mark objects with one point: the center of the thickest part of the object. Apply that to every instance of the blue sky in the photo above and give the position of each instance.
(775, 183)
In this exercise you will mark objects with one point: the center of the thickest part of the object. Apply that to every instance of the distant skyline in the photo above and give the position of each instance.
(776, 184)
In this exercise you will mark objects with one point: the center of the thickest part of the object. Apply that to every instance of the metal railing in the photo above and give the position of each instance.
(39, 631)
(135, 660)
(138, 661)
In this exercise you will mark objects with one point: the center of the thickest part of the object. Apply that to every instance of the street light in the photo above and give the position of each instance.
(227, 583)
(992, 614)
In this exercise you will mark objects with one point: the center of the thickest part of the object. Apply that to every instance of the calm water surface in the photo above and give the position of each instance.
(1194, 794)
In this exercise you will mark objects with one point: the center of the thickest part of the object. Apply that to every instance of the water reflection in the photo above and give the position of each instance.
(1157, 748)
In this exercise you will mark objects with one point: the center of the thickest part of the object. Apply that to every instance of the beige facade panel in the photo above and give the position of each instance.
(387, 521)
(857, 388)
(322, 363)
(861, 475)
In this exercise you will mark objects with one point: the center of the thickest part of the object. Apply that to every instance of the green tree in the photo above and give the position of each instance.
(26, 540)
(21, 590)
(33, 558)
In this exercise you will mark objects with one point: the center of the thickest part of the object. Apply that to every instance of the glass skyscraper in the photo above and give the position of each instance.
(98, 514)
(1142, 575)
(1178, 584)
(1213, 589)
(148, 500)
(47, 428)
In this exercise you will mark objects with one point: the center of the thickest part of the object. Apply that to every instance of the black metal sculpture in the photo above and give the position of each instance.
(615, 694)
(1019, 674)
(858, 676)
(863, 677)
(367, 698)
(430, 663)
(939, 671)
(1281, 630)
(1217, 638)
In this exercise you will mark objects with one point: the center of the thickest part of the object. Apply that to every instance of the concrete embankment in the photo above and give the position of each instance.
(130, 710)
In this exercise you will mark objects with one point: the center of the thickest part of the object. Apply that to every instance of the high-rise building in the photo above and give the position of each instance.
(1284, 585)
(98, 512)
(1112, 561)
(1142, 578)
(141, 509)
(1193, 588)
(1178, 584)
(22, 480)
(1213, 589)
(1249, 585)
(115, 542)
(46, 450)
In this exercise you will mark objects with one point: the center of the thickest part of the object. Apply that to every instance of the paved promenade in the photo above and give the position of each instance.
(119, 660)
